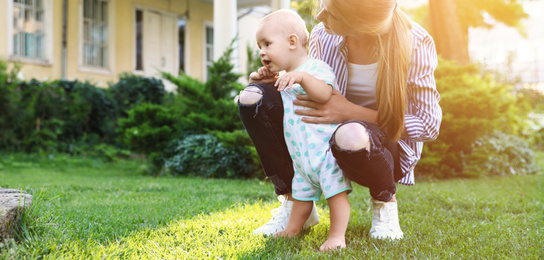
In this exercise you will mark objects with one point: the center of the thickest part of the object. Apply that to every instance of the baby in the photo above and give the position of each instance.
(282, 39)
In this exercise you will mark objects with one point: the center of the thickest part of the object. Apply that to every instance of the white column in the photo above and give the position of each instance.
(225, 26)
(280, 4)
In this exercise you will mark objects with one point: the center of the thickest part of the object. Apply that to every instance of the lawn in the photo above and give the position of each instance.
(87, 209)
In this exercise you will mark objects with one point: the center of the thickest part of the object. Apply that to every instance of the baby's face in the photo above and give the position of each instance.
(274, 47)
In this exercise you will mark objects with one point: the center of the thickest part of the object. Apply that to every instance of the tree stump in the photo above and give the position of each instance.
(12, 205)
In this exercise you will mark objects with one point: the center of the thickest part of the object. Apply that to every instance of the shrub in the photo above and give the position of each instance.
(69, 110)
(10, 116)
(204, 107)
(214, 144)
(473, 106)
(148, 128)
(222, 82)
(44, 140)
(500, 154)
(132, 90)
(240, 138)
(86, 110)
(198, 111)
(204, 155)
(253, 60)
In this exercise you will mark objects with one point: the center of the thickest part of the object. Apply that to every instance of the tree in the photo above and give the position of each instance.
(449, 37)
(441, 15)
(308, 10)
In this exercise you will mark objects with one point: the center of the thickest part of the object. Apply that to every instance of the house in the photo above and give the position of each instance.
(97, 40)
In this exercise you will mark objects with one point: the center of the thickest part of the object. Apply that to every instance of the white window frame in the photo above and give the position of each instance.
(207, 24)
(110, 63)
(48, 36)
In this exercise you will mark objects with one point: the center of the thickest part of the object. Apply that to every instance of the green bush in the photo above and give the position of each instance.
(87, 110)
(473, 106)
(204, 155)
(132, 90)
(9, 117)
(500, 154)
(44, 140)
(213, 143)
(222, 82)
(205, 107)
(69, 110)
(148, 128)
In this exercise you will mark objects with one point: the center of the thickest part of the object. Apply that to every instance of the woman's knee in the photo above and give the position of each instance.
(250, 95)
(352, 136)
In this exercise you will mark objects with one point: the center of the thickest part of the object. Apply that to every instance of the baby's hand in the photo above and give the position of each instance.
(288, 79)
(263, 75)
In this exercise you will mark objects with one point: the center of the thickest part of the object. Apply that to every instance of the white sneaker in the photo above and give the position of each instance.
(385, 220)
(280, 217)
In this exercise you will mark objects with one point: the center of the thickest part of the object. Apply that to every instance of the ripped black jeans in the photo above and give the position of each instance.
(378, 169)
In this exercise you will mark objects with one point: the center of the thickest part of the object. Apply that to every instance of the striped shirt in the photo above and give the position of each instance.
(423, 114)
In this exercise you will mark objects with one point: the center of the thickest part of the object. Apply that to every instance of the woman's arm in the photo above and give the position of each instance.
(424, 115)
(336, 110)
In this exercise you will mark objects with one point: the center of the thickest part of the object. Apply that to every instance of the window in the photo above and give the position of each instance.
(28, 29)
(95, 33)
(139, 40)
(208, 56)
(181, 44)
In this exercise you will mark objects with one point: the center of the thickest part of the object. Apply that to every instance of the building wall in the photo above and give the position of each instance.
(199, 13)
(246, 36)
(122, 33)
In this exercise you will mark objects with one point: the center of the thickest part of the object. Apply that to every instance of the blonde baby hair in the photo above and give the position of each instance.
(289, 22)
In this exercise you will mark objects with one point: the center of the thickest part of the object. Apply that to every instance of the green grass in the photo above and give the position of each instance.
(92, 210)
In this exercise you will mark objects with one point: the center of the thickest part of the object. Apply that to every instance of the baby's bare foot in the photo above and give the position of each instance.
(333, 244)
(284, 233)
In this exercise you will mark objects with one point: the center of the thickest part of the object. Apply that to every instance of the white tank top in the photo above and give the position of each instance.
(361, 88)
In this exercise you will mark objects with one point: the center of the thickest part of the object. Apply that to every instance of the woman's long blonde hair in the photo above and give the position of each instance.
(384, 21)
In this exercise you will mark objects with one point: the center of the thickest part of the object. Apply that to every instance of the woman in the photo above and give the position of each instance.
(387, 106)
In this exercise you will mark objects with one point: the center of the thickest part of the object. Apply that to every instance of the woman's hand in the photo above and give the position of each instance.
(337, 110)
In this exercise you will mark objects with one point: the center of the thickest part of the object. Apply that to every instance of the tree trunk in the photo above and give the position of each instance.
(451, 42)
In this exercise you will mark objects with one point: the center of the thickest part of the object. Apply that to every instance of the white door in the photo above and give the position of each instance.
(152, 44)
(159, 48)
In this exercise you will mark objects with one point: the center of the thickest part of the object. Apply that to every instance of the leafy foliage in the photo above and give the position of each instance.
(223, 81)
(473, 106)
(204, 107)
(148, 128)
(69, 110)
(203, 155)
(253, 60)
(508, 12)
(308, 10)
(132, 90)
(438, 18)
(500, 154)
(472, 14)
(212, 143)
(8, 105)
(88, 110)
